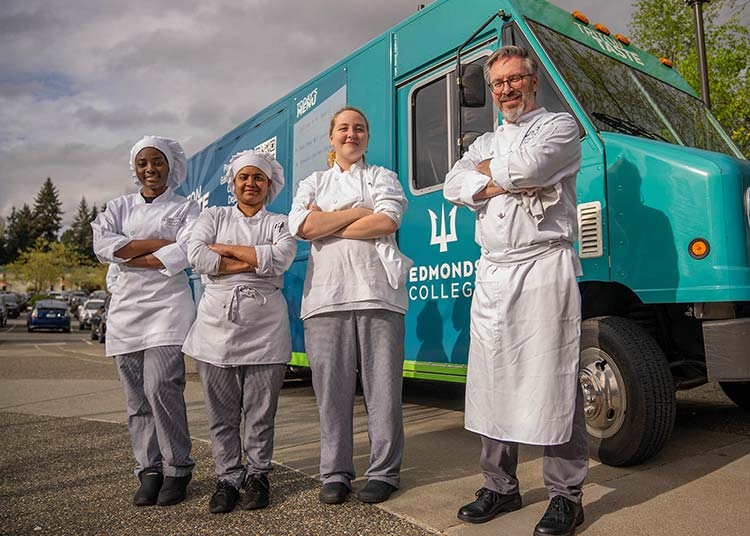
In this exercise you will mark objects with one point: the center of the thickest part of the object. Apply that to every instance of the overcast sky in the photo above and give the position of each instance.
(82, 80)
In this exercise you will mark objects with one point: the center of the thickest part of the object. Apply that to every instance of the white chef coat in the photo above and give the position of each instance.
(525, 318)
(149, 307)
(242, 318)
(346, 274)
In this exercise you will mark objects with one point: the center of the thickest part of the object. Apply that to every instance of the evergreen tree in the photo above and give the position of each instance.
(3, 258)
(19, 231)
(79, 238)
(47, 212)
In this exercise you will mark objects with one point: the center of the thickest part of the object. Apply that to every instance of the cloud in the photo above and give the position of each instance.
(81, 81)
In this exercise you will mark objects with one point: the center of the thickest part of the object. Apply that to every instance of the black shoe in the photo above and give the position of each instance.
(561, 518)
(375, 491)
(146, 495)
(174, 490)
(488, 505)
(224, 498)
(333, 493)
(257, 493)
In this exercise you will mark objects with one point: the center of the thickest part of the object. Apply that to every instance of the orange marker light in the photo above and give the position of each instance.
(666, 62)
(602, 28)
(699, 248)
(580, 16)
(622, 39)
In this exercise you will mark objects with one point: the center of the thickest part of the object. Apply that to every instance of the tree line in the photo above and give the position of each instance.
(33, 251)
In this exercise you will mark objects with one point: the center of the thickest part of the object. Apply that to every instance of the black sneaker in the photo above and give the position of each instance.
(151, 481)
(561, 518)
(173, 490)
(375, 491)
(257, 492)
(224, 498)
(489, 504)
(333, 493)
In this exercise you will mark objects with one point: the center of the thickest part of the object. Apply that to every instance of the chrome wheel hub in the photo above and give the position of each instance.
(604, 394)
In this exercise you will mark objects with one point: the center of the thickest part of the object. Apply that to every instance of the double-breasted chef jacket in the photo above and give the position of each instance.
(365, 283)
(149, 307)
(525, 318)
(242, 318)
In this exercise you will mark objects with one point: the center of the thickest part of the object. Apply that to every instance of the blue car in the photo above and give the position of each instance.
(49, 314)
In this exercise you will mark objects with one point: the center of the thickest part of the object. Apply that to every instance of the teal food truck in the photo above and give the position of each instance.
(664, 202)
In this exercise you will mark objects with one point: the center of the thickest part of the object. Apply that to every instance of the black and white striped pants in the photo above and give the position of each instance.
(154, 383)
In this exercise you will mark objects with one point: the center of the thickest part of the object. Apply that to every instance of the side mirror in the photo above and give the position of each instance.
(472, 89)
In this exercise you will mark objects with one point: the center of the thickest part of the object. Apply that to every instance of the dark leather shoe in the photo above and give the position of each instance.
(333, 493)
(561, 518)
(146, 495)
(257, 493)
(173, 490)
(224, 498)
(488, 505)
(375, 491)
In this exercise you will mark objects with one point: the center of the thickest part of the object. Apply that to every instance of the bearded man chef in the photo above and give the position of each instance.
(522, 379)
(145, 234)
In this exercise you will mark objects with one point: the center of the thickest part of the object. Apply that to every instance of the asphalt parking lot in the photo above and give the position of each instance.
(65, 466)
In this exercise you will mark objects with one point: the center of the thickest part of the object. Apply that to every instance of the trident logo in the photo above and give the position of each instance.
(443, 238)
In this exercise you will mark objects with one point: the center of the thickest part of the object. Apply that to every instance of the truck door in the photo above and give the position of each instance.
(436, 235)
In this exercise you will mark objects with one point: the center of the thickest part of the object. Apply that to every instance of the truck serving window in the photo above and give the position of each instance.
(618, 98)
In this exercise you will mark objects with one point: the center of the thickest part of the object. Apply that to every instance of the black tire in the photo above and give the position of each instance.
(66, 330)
(737, 392)
(29, 329)
(631, 415)
(81, 327)
(93, 334)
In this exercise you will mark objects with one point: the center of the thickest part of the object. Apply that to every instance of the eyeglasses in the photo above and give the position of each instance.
(514, 81)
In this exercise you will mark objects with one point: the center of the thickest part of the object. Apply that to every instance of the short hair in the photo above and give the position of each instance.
(510, 51)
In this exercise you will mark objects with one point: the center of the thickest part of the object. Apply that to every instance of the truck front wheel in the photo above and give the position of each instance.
(629, 394)
(737, 392)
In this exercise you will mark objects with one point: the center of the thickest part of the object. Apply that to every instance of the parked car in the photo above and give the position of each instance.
(77, 297)
(99, 322)
(86, 311)
(3, 313)
(49, 314)
(99, 294)
(11, 304)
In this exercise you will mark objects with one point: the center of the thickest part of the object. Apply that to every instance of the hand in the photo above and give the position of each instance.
(222, 249)
(483, 167)
(312, 207)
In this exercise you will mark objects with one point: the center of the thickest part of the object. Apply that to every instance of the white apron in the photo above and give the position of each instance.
(240, 325)
(524, 351)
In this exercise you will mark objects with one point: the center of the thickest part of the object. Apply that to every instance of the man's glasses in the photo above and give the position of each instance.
(514, 81)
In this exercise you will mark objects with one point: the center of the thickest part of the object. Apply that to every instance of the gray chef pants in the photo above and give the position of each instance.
(230, 393)
(564, 468)
(154, 382)
(338, 344)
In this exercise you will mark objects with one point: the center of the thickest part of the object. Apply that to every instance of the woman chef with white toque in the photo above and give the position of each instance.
(150, 314)
(241, 340)
(353, 307)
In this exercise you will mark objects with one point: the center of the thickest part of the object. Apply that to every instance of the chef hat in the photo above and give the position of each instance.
(171, 149)
(264, 162)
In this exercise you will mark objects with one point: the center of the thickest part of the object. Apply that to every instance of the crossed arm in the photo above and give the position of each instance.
(492, 189)
(235, 259)
(357, 223)
(140, 253)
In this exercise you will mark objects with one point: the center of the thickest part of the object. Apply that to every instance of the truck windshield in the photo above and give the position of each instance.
(618, 98)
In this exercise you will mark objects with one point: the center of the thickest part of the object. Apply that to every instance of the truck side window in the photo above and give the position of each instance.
(429, 134)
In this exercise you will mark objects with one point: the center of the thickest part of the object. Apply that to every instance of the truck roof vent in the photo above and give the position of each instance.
(590, 230)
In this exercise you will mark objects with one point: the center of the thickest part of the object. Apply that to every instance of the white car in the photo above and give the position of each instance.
(86, 311)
